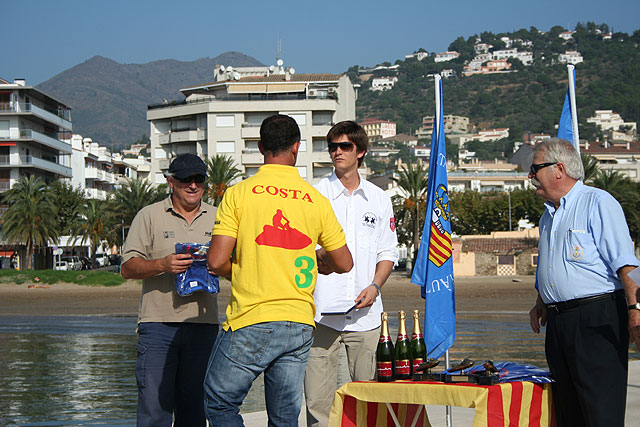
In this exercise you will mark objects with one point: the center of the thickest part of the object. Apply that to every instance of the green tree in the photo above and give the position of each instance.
(30, 218)
(412, 181)
(67, 201)
(626, 193)
(221, 171)
(96, 225)
(591, 168)
(128, 199)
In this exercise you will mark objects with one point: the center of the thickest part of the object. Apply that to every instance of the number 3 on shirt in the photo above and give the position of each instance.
(307, 276)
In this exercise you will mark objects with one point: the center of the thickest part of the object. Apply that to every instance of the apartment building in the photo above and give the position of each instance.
(609, 120)
(92, 167)
(570, 57)
(383, 83)
(224, 117)
(34, 132)
(378, 129)
(452, 125)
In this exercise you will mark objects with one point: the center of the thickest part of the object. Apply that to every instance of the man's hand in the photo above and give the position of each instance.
(176, 263)
(634, 327)
(323, 265)
(538, 315)
(367, 297)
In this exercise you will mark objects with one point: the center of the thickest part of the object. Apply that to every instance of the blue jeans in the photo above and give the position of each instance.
(279, 349)
(170, 368)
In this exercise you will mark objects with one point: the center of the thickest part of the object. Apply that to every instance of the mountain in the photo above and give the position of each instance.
(109, 100)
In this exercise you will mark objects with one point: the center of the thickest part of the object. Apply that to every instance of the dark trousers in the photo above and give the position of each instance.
(587, 351)
(170, 368)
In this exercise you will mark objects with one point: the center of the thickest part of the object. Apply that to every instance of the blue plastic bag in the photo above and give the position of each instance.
(511, 372)
(197, 277)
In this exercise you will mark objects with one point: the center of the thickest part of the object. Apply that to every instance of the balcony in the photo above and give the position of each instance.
(58, 117)
(45, 139)
(5, 185)
(15, 160)
(249, 156)
(250, 131)
(187, 135)
(165, 138)
(96, 193)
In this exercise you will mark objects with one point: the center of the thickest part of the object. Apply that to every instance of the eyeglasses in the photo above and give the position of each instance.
(344, 146)
(536, 167)
(198, 179)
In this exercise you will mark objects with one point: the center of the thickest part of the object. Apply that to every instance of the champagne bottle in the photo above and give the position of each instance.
(403, 350)
(384, 354)
(418, 347)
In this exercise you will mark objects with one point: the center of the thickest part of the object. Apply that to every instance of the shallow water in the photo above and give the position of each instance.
(75, 370)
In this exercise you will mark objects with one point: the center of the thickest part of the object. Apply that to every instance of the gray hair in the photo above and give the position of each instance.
(562, 151)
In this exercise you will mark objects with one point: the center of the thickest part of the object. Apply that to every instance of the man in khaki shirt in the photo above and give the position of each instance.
(175, 333)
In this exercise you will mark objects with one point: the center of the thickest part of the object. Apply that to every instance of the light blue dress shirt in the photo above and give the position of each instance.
(582, 245)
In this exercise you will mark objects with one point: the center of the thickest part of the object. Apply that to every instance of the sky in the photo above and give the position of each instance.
(43, 38)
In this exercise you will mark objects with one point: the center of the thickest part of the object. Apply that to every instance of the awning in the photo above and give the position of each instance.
(246, 88)
(7, 144)
(286, 87)
(7, 254)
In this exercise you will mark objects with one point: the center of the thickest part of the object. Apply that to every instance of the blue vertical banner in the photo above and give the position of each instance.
(433, 269)
(568, 125)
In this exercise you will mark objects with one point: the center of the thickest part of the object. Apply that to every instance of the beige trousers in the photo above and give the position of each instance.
(321, 376)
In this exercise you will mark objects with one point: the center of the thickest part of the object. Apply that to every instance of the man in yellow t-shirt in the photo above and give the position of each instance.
(274, 221)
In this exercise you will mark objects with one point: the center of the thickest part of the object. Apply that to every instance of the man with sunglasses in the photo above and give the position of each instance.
(175, 333)
(366, 214)
(585, 297)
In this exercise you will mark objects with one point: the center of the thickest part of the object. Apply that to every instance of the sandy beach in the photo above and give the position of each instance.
(473, 294)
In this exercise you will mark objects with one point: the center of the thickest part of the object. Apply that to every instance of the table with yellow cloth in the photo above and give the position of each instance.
(401, 403)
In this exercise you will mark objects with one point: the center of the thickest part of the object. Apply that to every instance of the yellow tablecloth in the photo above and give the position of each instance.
(508, 404)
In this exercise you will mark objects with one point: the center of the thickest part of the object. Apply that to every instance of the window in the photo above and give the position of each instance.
(319, 145)
(256, 119)
(4, 129)
(225, 121)
(322, 118)
(162, 127)
(534, 260)
(302, 170)
(160, 179)
(300, 118)
(251, 146)
(160, 153)
(303, 145)
(225, 147)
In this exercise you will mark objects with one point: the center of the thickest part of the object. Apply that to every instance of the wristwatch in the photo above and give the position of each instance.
(635, 306)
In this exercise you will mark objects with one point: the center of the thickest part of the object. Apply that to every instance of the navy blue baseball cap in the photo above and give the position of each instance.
(186, 165)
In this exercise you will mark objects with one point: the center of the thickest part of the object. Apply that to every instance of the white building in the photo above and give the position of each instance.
(377, 129)
(570, 57)
(446, 56)
(383, 83)
(34, 132)
(566, 35)
(608, 120)
(418, 55)
(224, 117)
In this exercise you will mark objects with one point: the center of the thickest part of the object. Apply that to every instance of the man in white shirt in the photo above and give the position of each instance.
(366, 215)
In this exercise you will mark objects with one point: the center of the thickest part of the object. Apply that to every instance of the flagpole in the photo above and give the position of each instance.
(574, 111)
(438, 130)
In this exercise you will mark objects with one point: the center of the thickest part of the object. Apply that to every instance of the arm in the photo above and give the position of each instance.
(370, 293)
(538, 315)
(340, 260)
(219, 256)
(632, 292)
(140, 268)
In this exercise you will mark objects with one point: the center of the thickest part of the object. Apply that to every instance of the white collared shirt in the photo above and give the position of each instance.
(367, 218)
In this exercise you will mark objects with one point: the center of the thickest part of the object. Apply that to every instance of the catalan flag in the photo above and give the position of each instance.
(433, 269)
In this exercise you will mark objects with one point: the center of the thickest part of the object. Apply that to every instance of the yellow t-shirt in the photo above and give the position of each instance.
(277, 219)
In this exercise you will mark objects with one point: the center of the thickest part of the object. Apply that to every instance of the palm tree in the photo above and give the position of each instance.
(130, 198)
(590, 165)
(30, 218)
(626, 193)
(221, 172)
(412, 180)
(95, 226)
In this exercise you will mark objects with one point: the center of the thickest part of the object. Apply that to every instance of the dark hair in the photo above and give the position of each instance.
(278, 133)
(354, 132)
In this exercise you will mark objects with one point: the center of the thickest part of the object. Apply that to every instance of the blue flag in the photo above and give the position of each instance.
(568, 125)
(433, 269)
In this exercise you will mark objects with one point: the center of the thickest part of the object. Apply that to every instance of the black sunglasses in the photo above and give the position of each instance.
(198, 179)
(344, 146)
(536, 167)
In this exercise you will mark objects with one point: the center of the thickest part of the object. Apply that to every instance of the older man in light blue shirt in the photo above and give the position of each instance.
(584, 292)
